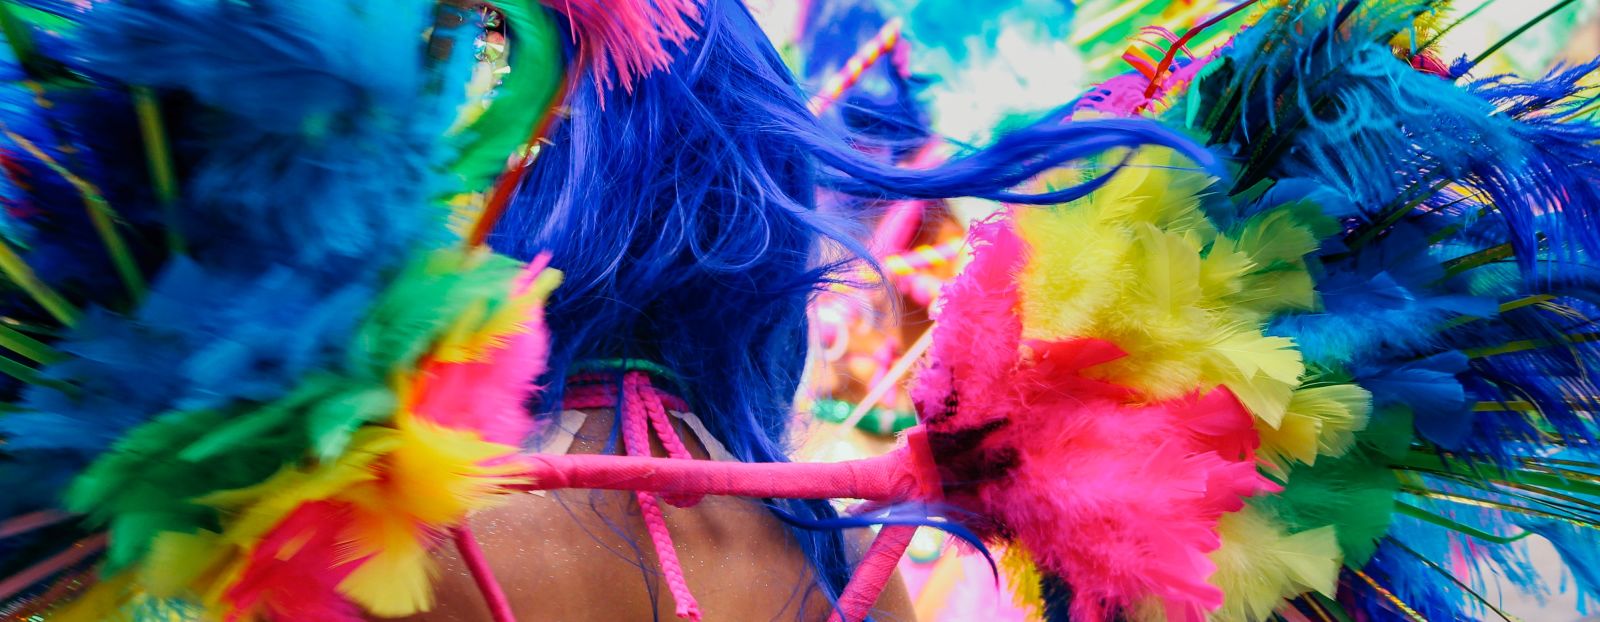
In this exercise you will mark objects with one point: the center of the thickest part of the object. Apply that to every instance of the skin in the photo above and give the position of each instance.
(584, 556)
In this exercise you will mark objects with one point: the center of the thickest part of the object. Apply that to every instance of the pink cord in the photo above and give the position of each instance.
(674, 446)
(636, 416)
(483, 575)
(907, 473)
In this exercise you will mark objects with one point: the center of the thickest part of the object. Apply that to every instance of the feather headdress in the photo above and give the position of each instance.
(1394, 285)
(251, 373)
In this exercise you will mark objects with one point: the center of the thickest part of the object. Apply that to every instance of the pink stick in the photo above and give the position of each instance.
(873, 574)
(483, 575)
(54, 564)
(897, 227)
(890, 477)
(31, 521)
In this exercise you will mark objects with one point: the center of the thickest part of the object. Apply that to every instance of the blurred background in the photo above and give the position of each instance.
(918, 80)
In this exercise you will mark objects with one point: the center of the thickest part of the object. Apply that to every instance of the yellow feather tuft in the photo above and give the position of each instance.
(437, 475)
(1066, 301)
(1023, 576)
(395, 583)
(433, 477)
(406, 486)
(1259, 565)
(1261, 371)
(1319, 421)
(1138, 264)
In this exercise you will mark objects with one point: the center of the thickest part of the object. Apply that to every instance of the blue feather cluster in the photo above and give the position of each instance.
(316, 96)
(1462, 293)
(307, 142)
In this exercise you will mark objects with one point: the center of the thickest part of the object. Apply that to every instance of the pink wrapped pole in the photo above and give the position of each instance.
(873, 574)
(890, 477)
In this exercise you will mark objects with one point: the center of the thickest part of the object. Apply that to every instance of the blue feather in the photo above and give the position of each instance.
(327, 98)
(1464, 289)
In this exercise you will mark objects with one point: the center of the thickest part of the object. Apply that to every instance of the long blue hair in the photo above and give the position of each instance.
(683, 215)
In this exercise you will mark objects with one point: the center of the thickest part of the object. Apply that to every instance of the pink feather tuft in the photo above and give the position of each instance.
(1124, 95)
(1119, 496)
(490, 396)
(982, 346)
(295, 571)
(627, 38)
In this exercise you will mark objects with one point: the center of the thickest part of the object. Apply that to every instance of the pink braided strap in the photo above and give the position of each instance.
(674, 446)
(601, 392)
(635, 414)
(873, 574)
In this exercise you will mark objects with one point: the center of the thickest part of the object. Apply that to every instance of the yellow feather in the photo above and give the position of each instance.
(1261, 371)
(1222, 272)
(437, 474)
(1137, 263)
(1074, 273)
(396, 582)
(433, 478)
(1259, 565)
(1319, 421)
(1023, 576)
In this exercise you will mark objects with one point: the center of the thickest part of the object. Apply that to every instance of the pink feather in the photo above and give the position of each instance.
(490, 396)
(981, 346)
(627, 38)
(295, 570)
(1124, 95)
(1119, 496)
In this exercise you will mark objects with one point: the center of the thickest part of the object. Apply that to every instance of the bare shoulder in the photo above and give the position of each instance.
(585, 555)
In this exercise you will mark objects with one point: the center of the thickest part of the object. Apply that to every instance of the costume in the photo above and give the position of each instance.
(1303, 316)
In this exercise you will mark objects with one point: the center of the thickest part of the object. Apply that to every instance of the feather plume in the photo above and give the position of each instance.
(624, 40)
(1049, 440)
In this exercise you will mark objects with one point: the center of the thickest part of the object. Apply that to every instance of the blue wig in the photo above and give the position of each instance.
(683, 216)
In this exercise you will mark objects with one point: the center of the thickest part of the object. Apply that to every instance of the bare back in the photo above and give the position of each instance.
(584, 556)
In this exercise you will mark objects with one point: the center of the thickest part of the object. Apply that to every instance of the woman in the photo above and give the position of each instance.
(682, 214)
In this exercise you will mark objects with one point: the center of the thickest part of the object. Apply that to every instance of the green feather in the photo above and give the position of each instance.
(522, 99)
